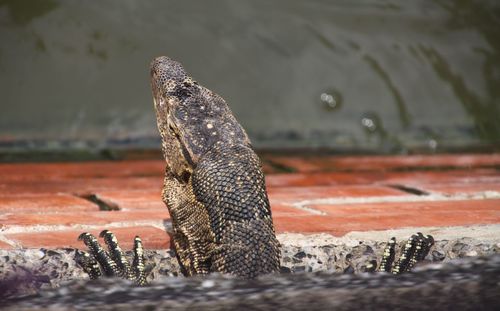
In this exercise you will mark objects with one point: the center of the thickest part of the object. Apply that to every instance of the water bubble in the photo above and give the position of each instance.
(432, 143)
(328, 99)
(369, 124)
(331, 99)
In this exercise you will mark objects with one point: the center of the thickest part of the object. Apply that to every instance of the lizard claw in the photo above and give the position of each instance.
(415, 250)
(88, 264)
(112, 262)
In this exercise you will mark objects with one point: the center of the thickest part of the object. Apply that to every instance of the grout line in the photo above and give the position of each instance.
(160, 224)
(102, 204)
(307, 209)
(408, 189)
(483, 195)
(8, 241)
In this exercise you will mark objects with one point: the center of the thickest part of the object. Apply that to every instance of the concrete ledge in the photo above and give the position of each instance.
(49, 268)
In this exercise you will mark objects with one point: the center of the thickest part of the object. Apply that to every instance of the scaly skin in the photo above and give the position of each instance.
(214, 186)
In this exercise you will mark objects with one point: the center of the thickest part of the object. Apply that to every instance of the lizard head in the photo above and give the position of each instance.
(167, 79)
(191, 118)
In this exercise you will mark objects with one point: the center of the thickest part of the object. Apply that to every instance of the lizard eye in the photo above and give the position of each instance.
(181, 114)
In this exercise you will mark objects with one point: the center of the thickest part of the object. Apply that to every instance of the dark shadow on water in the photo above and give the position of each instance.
(23, 12)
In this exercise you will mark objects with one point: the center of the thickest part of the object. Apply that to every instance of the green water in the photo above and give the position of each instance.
(383, 76)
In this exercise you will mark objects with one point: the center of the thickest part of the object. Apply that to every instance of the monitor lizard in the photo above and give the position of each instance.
(214, 190)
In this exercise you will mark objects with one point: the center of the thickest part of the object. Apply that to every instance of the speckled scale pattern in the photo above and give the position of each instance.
(232, 188)
(214, 186)
(113, 263)
(415, 250)
(89, 264)
(233, 191)
(388, 256)
(116, 253)
(192, 237)
(138, 273)
(108, 265)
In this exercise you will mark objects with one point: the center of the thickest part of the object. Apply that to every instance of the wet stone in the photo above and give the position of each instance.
(300, 255)
(437, 256)
(458, 247)
(285, 270)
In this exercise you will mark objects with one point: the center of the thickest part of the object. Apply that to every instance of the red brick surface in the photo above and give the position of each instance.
(76, 186)
(84, 218)
(309, 164)
(133, 199)
(413, 214)
(294, 194)
(461, 188)
(42, 205)
(4, 245)
(380, 177)
(343, 218)
(152, 238)
(79, 170)
(279, 210)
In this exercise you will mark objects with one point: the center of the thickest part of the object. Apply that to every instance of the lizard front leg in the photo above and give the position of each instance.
(112, 262)
(193, 239)
(415, 250)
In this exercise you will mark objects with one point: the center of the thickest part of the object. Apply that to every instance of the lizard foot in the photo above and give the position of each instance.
(415, 250)
(112, 262)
